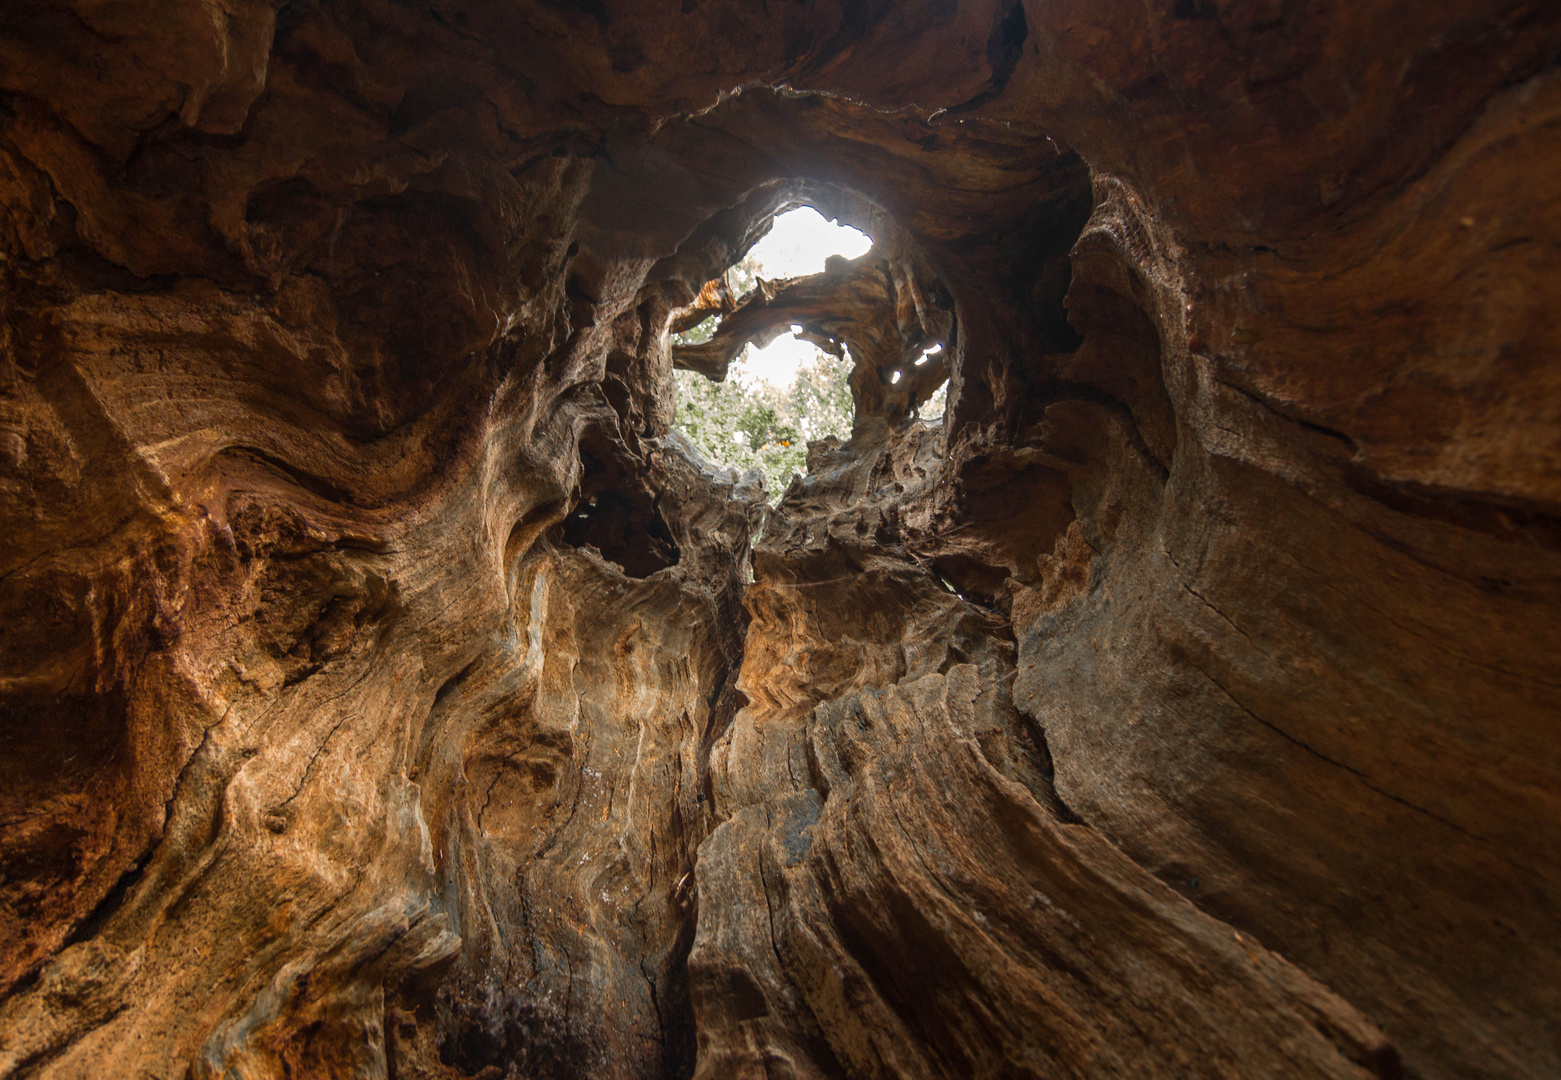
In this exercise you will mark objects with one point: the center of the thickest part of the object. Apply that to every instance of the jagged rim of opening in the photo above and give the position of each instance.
(851, 208)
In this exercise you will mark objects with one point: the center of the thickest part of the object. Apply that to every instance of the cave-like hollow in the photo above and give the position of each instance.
(386, 690)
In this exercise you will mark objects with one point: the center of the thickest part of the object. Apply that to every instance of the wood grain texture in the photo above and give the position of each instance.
(387, 690)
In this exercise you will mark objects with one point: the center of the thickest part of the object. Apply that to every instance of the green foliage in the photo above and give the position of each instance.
(821, 398)
(697, 334)
(764, 427)
(747, 424)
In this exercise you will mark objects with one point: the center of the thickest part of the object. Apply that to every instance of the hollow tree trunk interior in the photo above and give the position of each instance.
(388, 688)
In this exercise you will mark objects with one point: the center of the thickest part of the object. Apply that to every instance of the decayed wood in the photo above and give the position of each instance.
(387, 689)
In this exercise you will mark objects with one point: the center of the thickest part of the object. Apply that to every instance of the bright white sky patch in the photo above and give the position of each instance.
(801, 240)
(779, 361)
(797, 245)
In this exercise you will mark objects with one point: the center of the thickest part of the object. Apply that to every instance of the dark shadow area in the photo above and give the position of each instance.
(618, 516)
(627, 529)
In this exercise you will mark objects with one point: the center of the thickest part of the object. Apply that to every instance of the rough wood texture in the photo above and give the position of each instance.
(386, 690)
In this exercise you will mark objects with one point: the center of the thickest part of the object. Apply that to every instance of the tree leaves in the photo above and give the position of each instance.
(746, 423)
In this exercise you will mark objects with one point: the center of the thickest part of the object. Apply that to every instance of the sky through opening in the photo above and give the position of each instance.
(775, 401)
(796, 246)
